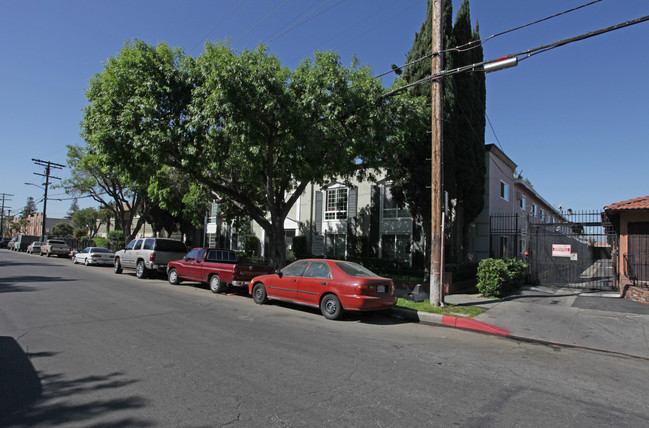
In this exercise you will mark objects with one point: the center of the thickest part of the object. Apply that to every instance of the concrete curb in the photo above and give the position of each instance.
(486, 328)
(450, 321)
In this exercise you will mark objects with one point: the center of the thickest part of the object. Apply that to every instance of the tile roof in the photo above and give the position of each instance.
(632, 204)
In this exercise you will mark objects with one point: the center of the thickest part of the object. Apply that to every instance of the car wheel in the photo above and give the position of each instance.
(173, 277)
(259, 294)
(117, 267)
(86, 262)
(330, 307)
(140, 270)
(216, 286)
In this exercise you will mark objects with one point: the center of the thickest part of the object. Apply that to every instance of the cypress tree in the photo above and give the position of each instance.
(464, 123)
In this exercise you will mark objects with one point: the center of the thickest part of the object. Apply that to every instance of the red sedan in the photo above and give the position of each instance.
(331, 285)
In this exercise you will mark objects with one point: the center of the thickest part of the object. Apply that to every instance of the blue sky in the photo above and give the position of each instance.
(573, 119)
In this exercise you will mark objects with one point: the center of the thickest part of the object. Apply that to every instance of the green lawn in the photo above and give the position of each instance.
(425, 306)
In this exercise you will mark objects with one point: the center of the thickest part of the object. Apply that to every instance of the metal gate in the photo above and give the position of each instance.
(573, 251)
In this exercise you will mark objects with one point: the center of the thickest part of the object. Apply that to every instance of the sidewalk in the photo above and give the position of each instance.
(562, 316)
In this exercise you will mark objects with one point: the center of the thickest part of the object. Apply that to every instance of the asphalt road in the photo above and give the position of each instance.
(81, 346)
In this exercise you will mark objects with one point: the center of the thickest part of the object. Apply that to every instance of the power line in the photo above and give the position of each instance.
(217, 25)
(300, 21)
(476, 43)
(480, 66)
(375, 26)
(262, 20)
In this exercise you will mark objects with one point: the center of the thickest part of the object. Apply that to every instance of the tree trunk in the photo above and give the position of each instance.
(277, 243)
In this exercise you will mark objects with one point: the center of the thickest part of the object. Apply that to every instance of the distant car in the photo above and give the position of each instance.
(331, 285)
(94, 256)
(4, 242)
(10, 244)
(56, 247)
(35, 247)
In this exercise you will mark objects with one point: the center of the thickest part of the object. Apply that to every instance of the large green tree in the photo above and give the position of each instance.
(93, 176)
(263, 133)
(88, 219)
(246, 130)
(137, 104)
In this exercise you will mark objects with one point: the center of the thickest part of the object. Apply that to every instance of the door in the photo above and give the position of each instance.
(639, 250)
(315, 280)
(128, 256)
(186, 267)
(286, 286)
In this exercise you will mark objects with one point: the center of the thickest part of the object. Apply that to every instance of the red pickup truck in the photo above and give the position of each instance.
(216, 267)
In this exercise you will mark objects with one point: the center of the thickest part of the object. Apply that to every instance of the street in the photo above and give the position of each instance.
(81, 346)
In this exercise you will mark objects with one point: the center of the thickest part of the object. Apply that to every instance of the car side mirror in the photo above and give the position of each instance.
(279, 273)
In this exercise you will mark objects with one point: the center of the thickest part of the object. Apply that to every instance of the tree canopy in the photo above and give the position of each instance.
(28, 209)
(243, 128)
(87, 219)
(61, 229)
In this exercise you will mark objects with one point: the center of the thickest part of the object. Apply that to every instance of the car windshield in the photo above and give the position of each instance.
(170, 245)
(354, 269)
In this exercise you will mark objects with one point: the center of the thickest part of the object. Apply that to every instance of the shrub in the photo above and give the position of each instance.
(62, 229)
(116, 239)
(101, 242)
(497, 277)
(251, 245)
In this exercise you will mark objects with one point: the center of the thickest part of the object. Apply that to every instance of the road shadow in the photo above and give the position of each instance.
(19, 383)
(13, 284)
(17, 263)
(30, 398)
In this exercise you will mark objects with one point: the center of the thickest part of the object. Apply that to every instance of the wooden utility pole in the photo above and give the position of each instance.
(48, 169)
(436, 158)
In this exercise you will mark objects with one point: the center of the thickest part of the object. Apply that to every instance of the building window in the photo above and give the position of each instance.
(534, 211)
(390, 207)
(504, 191)
(541, 214)
(395, 248)
(522, 204)
(336, 244)
(336, 204)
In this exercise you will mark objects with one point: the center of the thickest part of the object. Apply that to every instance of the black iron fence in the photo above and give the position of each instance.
(636, 270)
(569, 250)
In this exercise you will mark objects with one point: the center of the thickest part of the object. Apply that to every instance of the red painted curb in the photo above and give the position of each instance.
(470, 324)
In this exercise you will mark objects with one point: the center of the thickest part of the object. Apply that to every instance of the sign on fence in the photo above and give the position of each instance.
(561, 250)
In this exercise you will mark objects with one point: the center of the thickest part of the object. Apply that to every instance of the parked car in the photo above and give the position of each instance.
(94, 256)
(10, 244)
(56, 247)
(35, 247)
(331, 285)
(4, 242)
(148, 254)
(216, 267)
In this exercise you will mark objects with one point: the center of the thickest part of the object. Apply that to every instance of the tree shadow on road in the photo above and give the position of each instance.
(29, 398)
(12, 284)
